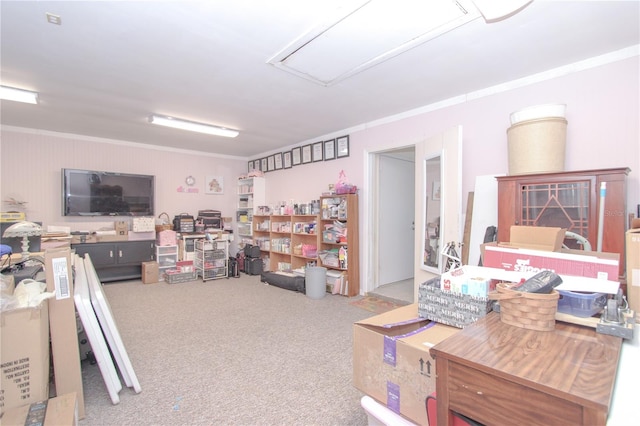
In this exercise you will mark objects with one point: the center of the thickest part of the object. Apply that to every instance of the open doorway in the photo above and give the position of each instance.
(394, 228)
(395, 216)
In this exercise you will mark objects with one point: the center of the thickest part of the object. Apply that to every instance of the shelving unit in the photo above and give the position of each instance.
(262, 238)
(167, 258)
(280, 243)
(212, 258)
(339, 251)
(251, 194)
(304, 240)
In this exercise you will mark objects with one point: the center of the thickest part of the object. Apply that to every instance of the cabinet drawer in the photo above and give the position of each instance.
(491, 400)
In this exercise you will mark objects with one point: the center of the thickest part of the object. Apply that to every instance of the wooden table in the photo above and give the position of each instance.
(499, 374)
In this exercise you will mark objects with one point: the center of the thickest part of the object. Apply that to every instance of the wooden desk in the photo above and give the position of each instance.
(499, 374)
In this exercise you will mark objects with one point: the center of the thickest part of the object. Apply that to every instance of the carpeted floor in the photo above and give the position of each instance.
(377, 305)
(230, 352)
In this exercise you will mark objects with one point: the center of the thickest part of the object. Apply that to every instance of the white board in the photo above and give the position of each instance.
(485, 214)
(109, 328)
(89, 320)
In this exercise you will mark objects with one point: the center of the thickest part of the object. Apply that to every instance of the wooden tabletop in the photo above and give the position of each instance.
(572, 362)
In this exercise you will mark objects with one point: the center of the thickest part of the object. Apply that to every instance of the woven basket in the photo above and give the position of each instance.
(166, 226)
(533, 311)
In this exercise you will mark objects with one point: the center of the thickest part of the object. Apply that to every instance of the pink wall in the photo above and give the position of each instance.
(602, 110)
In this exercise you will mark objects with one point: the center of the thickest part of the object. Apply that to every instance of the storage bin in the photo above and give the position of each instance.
(533, 311)
(581, 304)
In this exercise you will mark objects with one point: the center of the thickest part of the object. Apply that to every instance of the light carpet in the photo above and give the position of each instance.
(230, 352)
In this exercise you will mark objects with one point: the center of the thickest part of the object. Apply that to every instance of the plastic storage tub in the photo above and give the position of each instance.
(581, 304)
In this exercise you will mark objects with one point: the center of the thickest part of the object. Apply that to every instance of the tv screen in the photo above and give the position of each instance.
(94, 193)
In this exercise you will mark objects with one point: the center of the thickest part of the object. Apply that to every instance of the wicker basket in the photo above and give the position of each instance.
(533, 311)
(168, 226)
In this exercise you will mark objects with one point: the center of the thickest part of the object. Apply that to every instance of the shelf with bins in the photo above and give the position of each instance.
(212, 258)
(339, 241)
(280, 244)
(167, 258)
(304, 240)
(251, 194)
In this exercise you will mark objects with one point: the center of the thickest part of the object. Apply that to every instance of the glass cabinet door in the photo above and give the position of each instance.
(560, 204)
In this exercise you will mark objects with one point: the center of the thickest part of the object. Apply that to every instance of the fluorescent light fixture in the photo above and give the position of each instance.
(18, 95)
(192, 126)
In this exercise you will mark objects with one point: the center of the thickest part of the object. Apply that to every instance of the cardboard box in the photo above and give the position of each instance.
(109, 238)
(121, 227)
(24, 356)
(536, 237)
(82, 239)
(471, 280)
(391, 360)
(578, 263)
(63, 327)
(58, 411)
(150, 272)
(446, 307)
(633, 269)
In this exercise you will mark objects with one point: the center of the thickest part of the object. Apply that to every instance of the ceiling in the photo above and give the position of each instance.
(110, 64)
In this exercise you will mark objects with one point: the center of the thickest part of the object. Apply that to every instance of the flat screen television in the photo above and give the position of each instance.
(95, 193)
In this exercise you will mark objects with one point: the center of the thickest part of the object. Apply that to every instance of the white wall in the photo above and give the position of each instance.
(602, 110)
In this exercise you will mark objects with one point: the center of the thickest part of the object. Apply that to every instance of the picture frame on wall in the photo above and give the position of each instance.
(263, 164)
(214, 185)
(271, 163)
(342, 146)
(286, 160)
(330, 150)
(277, 161)
(306, 154)
(296, 156)
(317, 152)
(250, 166)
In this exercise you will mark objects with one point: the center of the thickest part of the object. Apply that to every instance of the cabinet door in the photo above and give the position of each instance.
(101, 254)
(562, 204)
(135, 251)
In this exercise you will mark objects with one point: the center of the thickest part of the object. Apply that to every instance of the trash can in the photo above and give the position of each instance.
(316, 282)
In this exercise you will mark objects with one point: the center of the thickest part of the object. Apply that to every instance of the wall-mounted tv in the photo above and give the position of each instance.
(94, 193)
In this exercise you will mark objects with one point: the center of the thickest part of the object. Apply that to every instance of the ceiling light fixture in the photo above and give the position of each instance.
(193, 126)
(18, 95)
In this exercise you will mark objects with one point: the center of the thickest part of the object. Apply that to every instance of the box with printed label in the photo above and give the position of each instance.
(446, 307)
(391, 360)
(57, 411)
(578, 263)
(24, 356)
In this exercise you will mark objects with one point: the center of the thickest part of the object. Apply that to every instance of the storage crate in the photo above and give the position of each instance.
(179, 277)
(215, 273)
(581, 304)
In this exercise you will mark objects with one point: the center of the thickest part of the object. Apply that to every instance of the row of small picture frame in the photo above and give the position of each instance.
(311, 153)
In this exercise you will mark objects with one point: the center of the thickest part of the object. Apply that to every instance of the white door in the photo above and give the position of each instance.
(396, 208)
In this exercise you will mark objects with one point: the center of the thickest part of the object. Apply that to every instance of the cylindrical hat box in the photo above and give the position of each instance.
(537, 146)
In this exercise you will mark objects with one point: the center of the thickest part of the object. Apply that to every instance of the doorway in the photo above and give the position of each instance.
(395, 217)
(394, 207)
